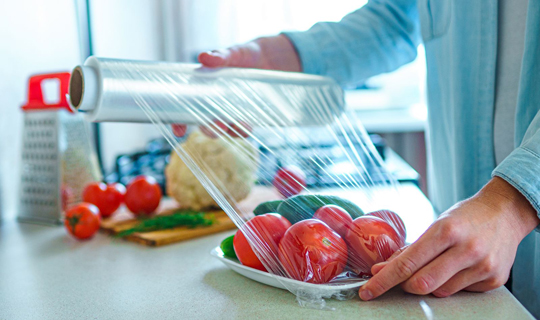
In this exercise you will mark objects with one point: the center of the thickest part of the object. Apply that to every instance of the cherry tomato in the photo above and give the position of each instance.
(241, 130)
(289, 181)
(82, 221)
(371, 240)
(266, 230)
(312, 252)
(335, 217)
(215, 129)
(179, 130)
(143, 195)
(106, 197)
(394, 220)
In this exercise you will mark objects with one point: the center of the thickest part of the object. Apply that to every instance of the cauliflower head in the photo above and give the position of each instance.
(230, 163)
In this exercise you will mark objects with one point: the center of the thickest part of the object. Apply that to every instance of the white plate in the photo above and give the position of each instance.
(325, 290)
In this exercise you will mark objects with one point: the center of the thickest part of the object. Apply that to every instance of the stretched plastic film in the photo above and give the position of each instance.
(284, 136)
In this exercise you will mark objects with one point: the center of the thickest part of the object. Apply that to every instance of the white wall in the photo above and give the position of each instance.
(126, 29)
(41, 36)
(35, 37)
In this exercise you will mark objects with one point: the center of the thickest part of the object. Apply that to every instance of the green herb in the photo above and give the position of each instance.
(186, 218)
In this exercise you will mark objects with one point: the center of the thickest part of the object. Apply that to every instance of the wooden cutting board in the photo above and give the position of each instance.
(123, 220)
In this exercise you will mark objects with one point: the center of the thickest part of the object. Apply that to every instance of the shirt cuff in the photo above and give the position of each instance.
(308, 51)
(521, 169)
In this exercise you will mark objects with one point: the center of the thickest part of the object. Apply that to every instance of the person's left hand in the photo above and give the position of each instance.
(472, 247)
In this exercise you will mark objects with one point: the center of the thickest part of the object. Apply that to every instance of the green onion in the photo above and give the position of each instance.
(184, 218)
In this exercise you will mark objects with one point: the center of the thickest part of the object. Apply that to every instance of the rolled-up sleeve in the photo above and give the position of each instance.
(522, 167)
(379, 37)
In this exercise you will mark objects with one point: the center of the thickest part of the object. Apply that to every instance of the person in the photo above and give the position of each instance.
(483, 72)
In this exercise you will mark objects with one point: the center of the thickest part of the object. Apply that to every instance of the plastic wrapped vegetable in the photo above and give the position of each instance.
(315, 237)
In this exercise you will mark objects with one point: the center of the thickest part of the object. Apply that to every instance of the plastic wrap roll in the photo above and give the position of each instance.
(110, 90)
(318, 227)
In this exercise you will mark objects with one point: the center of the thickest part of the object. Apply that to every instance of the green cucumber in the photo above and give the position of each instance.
(303, 207)
(267, 207)
(228, 248)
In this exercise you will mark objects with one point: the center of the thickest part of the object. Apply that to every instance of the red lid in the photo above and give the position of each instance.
(35, 94)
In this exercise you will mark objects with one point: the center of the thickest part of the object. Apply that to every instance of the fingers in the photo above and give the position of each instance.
(243, 56)
(458, 282)
(378, 267)
(488, 284)
(437, 272)
(404, 265)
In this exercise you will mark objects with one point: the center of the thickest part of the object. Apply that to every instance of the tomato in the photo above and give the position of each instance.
(82, 221)
(265, 230)
(241, 130)
(289, 181)
(107, 198)
(394, 220)
(335, 217)
(312, 252)
(179, 130)
(215, 129)
(143, 195)
(371, 240)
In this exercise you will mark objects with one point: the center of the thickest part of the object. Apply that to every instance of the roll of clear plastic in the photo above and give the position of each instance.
(321, 224)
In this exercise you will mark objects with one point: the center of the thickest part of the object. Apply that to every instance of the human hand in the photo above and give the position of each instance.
(274, 53)
(472, 247)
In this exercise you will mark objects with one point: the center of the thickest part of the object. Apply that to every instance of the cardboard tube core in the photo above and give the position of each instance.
(83, 88)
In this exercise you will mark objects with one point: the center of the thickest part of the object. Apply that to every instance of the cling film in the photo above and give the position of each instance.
(287, 134)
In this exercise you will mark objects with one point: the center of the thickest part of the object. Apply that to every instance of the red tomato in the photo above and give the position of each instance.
(82, 221)
(106, 197)
(371, 240)
(214, 130)
(179, 130)
(289, 181)
(241, 130)
(335, 217)
(143, 195)
(394, 220)
(312, 252)
(266, 229)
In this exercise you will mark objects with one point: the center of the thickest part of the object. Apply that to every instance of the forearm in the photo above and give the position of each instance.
(380, 37)
(501, 196)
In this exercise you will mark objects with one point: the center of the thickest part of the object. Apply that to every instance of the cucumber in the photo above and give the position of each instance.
(228, 248)
(267, 207)
(303, 207)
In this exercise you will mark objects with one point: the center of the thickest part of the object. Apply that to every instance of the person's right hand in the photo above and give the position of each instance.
(274, 53)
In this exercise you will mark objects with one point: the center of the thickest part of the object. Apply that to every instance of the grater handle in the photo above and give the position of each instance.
(35, 93)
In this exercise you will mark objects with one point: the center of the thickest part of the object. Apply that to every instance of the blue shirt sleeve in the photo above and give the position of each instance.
(379, 37)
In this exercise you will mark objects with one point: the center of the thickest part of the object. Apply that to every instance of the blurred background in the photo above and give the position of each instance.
(56, 35)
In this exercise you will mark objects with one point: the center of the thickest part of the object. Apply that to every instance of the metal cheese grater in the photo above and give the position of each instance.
(58, 159)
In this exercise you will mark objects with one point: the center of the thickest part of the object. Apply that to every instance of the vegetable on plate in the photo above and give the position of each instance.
(335, 217)
(371, 240)
(311, 251)
(302, 207)
(266, 231)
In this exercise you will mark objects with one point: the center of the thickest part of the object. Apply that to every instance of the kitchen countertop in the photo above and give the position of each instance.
(46, 274)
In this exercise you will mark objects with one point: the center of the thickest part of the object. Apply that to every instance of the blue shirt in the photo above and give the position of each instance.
(460, 38)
